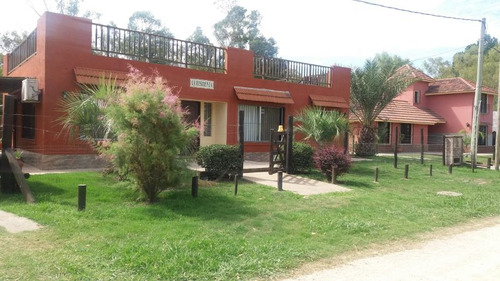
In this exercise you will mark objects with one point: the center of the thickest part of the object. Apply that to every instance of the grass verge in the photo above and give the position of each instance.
(219, 236)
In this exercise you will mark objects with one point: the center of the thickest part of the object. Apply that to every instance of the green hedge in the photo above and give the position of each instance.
(219, 160)
(302, 159)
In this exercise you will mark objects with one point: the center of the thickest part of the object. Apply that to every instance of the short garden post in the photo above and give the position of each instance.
(235, 185)
(488, 163)
(280, 181)
(194, 187)
(376, 174)
(430, 170)
(406, 170)
(82, 196)
(334, 175)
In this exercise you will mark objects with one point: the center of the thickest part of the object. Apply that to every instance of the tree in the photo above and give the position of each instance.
(373, 87)
(388, 63)
(145, 129)
(145, 21)
(199, 37)
(241, 30)
(321, 125)
(438, 68)
(8, 42)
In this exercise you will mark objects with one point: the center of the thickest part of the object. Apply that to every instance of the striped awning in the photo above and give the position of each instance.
(329, 101)
(263, 95)
(92, 76)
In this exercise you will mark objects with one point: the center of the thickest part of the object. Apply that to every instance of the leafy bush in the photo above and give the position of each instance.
(302, 159)
(219, 160)
(329, 156)
(142, 126)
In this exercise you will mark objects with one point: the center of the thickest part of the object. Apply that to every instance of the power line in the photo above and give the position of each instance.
(416, 12)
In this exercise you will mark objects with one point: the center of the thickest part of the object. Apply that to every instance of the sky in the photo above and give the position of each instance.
(324, 32)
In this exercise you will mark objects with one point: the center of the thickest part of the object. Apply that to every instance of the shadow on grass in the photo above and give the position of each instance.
(209, 205)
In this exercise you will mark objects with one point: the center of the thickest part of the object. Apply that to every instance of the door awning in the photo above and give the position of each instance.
(263, 95)
(329, 101)
(10, 84)
(92, 76)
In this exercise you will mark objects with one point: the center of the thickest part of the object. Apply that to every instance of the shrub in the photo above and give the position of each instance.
(219, 160)
(142, 126)
(302, 159)
(329, 156)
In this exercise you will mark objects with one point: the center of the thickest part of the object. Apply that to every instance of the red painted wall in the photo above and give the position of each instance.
(64, 43)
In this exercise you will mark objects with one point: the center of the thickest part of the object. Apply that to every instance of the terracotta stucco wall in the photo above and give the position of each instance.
(64, 43)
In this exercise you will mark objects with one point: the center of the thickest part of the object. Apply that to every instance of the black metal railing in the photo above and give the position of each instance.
(23, 52)
(292, 71)
(130, 44)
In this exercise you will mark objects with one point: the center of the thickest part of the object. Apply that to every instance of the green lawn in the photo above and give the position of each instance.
(217, 236)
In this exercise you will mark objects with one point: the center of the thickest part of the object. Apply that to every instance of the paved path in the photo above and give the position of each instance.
(472, 255)
(16, 224)
(293, 183)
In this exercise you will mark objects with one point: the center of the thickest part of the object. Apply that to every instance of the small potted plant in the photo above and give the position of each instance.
(18, 154)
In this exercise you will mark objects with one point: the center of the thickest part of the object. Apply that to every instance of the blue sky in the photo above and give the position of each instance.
(341, 32)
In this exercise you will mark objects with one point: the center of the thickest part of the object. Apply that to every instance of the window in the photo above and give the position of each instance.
(259, 121)
(384, 132)
(207, 119)
(406, 133)
(416, 97)
(28, 119)
(484, 103)
(483, 135)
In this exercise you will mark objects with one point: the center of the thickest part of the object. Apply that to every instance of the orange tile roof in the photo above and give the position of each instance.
(413, 73)
(329, 101)
(93, 76)
(454, 86)
(263, 95)
(403, 112)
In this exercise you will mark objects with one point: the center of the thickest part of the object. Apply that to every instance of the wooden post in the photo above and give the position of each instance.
(194, 186)
(334, 175)
(8, 183)
(346, 142)
(488, 162)
(406, 170)
(289, 146)
(450, 169)
(376, 174)
(430, 170)
(444, 148)
(421, 145)
(396, 149)
(280, 180)
(242, 141)
(235, 185)
(82, 196)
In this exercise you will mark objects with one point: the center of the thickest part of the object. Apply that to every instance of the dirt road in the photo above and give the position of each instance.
(470, 255)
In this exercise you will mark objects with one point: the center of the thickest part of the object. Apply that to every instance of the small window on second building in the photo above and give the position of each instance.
(416, 97)
(384, 132)
(406, 135)
(484, 103)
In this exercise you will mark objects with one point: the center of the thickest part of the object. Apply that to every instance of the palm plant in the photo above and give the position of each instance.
(84, 112)
(372, 88)
(321, 125)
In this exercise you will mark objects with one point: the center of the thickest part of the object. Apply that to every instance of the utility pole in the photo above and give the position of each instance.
(477, 97)
(497, 129)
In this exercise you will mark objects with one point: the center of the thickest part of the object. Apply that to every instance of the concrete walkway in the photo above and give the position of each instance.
(16, 224)
(472, 255)
(293, 183)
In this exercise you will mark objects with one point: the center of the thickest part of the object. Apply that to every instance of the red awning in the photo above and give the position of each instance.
(329, 101)
(263, 95)
(93, 76)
